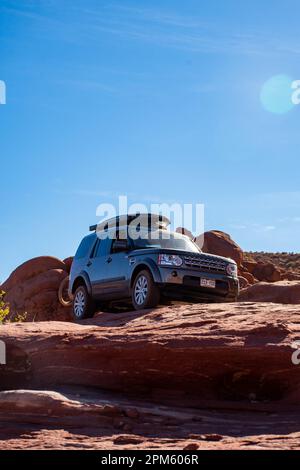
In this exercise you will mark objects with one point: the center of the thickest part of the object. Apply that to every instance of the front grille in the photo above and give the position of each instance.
(206, 263)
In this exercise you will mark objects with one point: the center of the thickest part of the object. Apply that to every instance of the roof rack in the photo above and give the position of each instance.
(145, 220)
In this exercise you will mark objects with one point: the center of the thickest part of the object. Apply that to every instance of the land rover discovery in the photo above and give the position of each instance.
(147, 266)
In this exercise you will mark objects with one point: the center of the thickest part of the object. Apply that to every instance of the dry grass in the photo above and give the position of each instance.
(287, 261)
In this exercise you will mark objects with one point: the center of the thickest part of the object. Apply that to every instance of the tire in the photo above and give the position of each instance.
(82, 305)
(145, 293)
(61, 293)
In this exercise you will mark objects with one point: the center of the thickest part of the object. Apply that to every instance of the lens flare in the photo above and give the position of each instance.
(276, 94)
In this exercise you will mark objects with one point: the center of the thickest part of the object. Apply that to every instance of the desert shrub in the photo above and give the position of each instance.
(18, 317)
(4, 312)
(4, 308)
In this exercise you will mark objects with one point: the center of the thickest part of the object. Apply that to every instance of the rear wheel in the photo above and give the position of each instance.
(145, 293)
(83, 305)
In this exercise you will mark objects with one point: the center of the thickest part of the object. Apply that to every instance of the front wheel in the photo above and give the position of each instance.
(83, 305)
(145, 293)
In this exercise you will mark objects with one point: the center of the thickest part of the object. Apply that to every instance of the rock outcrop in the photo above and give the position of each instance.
(201, 349)
(186, 232)
(266, 272)
(283, 292)
(220, 243)
(86, 419)
(32, 289)
(248, 276)
(150, 379)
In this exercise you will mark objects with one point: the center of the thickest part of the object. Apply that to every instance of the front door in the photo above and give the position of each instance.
(96, 267)
(117, 270)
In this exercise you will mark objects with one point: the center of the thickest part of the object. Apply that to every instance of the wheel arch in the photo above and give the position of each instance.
(149, 266)
(82, 279)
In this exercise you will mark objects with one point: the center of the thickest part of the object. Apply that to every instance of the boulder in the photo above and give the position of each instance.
(185, 231)
(249, 265)
(250, 278)
(32, 290)
(30, 269)
(68, 263)
(220, 243)
(283, 292)
(243, 282)
(290, 276)
(267, 272)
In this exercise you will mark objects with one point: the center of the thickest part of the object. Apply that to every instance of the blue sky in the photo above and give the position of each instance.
(159, 100)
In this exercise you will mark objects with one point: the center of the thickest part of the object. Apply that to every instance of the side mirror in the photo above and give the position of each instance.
(120, 246)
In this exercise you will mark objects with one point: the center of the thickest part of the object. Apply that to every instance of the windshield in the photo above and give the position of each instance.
(164, 239)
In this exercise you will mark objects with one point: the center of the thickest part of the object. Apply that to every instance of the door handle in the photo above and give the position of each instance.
(109, 260)
(89, 263)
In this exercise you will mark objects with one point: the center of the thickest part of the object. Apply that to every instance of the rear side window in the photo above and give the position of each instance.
(84, 247)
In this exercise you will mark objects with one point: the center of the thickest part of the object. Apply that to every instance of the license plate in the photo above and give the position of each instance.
(210, 283)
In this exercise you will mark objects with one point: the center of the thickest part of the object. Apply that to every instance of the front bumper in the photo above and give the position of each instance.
(185, 283)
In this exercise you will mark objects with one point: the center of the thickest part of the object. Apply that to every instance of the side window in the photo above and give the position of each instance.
(101, 247)
(113, 247)
(84, 247)
(120, 242)
(96, 252)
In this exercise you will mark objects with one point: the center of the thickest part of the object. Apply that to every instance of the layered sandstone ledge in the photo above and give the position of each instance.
(89, 420)
(193, 375)
(203, 351)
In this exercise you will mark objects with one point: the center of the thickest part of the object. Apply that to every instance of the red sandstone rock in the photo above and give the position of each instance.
(68, 263)
(284, 292)
(205, 351)
(267, 272)
(32, 290)
(290, 276)
(30, 269)
(186, 232)
(31, 419)
(111, 381)
(249, 265)
(250, 278)
(243, 282)
(220, 243)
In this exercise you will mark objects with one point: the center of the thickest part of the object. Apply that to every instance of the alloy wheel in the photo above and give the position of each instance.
(79, 304)
(141, 290)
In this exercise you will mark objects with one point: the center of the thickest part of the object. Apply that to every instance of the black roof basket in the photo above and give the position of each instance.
(147, 220)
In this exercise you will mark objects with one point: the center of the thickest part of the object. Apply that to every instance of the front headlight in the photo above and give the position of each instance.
(232, 269)
(169, 260)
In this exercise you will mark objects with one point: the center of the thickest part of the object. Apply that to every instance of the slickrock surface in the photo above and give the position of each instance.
(85, 419)
(203, 376)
